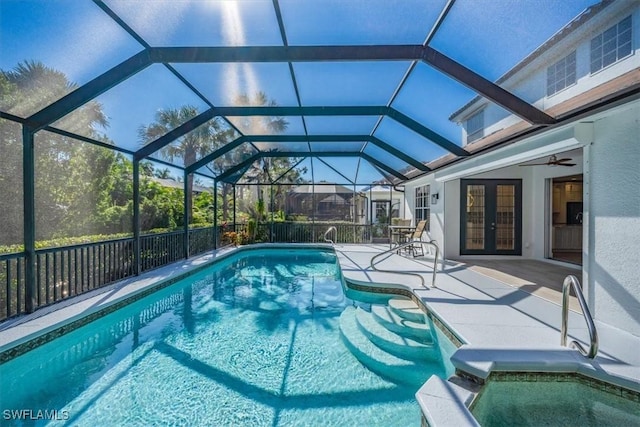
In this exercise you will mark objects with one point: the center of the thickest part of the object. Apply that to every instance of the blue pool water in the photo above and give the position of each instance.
(252, 340)
(549, 403)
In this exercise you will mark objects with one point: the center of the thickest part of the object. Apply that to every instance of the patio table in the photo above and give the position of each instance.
(398, 232)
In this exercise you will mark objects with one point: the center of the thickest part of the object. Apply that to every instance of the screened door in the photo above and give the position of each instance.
(381, 219)
(491, 217)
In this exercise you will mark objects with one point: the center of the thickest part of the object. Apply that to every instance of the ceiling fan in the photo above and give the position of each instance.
(553, 161)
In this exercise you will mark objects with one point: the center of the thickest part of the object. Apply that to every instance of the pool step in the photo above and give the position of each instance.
(379, 361)
(329, 295)
(418, 331)
(391, 342)
(406, 309)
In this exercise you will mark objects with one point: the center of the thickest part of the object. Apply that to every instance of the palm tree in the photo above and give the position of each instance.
(146, 168)
(259, 172)
(190, 147)
(256, 125)
(38, 86)
(163, 173)
(208, 137)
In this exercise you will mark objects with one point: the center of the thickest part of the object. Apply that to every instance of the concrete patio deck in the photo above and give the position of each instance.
(508, 313)
(481, 309)
(488, 312)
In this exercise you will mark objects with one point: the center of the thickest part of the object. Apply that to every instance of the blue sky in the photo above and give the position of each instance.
(79, 39)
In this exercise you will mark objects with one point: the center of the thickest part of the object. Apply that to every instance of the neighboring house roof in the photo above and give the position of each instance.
(578, 21)
(382, 188)
(335, 199)
(321, 188)
(170, 183)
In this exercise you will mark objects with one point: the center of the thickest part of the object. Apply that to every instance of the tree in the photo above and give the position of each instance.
(66, 169)
(163, 173)
(11, 183)
(256, 125)
(188, 148)
(33, 86)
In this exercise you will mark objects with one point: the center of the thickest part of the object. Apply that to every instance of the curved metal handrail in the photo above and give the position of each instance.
(326, 233)
(406, 244)
(572, 282)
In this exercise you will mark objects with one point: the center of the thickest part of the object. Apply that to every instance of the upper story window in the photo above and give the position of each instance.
(561, 74)
(475, 126)
(611, 45)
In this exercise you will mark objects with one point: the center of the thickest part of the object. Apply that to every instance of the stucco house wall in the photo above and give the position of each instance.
(613, 264)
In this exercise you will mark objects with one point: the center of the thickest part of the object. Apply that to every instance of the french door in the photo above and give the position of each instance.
(491, 217)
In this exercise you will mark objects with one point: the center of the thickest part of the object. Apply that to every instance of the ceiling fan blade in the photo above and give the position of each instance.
(566, 164)
(562, 160)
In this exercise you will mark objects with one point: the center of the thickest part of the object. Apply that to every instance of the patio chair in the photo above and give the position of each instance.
(416, 237)
(400, 236)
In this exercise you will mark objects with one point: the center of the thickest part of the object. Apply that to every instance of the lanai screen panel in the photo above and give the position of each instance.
(268, 125)
(348, 83)
(242, 84)
(282, 169)
(346, 146)
(497, 36)
(331, 170)
(11, 180)
(497, 39)
(334, 203)
(300, 172)
(52, 47)
(430, 98)
(246, 200)
(358, 22)
(408, 141)
(191, 147)
(229, 167)
(282, 146)
(80, 190)
(137, 111)
(340, 125)
(368, 173)
(347, 167)
(201, 23)
(387, 159)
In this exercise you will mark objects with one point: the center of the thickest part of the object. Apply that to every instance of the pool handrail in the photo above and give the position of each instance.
(329, 230)
(572, 281)
(402, 246)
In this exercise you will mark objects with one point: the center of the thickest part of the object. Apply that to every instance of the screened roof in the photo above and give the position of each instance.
(348, 91)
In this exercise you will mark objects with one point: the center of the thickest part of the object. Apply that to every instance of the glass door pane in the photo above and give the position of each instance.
(505, 214)
(475, 224)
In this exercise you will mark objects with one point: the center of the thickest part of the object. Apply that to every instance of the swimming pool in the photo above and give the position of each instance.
(252, 340)
(552, 403)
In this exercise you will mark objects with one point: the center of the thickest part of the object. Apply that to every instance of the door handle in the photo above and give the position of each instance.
(493, 225)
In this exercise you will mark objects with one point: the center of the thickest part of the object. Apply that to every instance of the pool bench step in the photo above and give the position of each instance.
(406, 309)
(418, 331)
(391, 342)
(379, 361)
